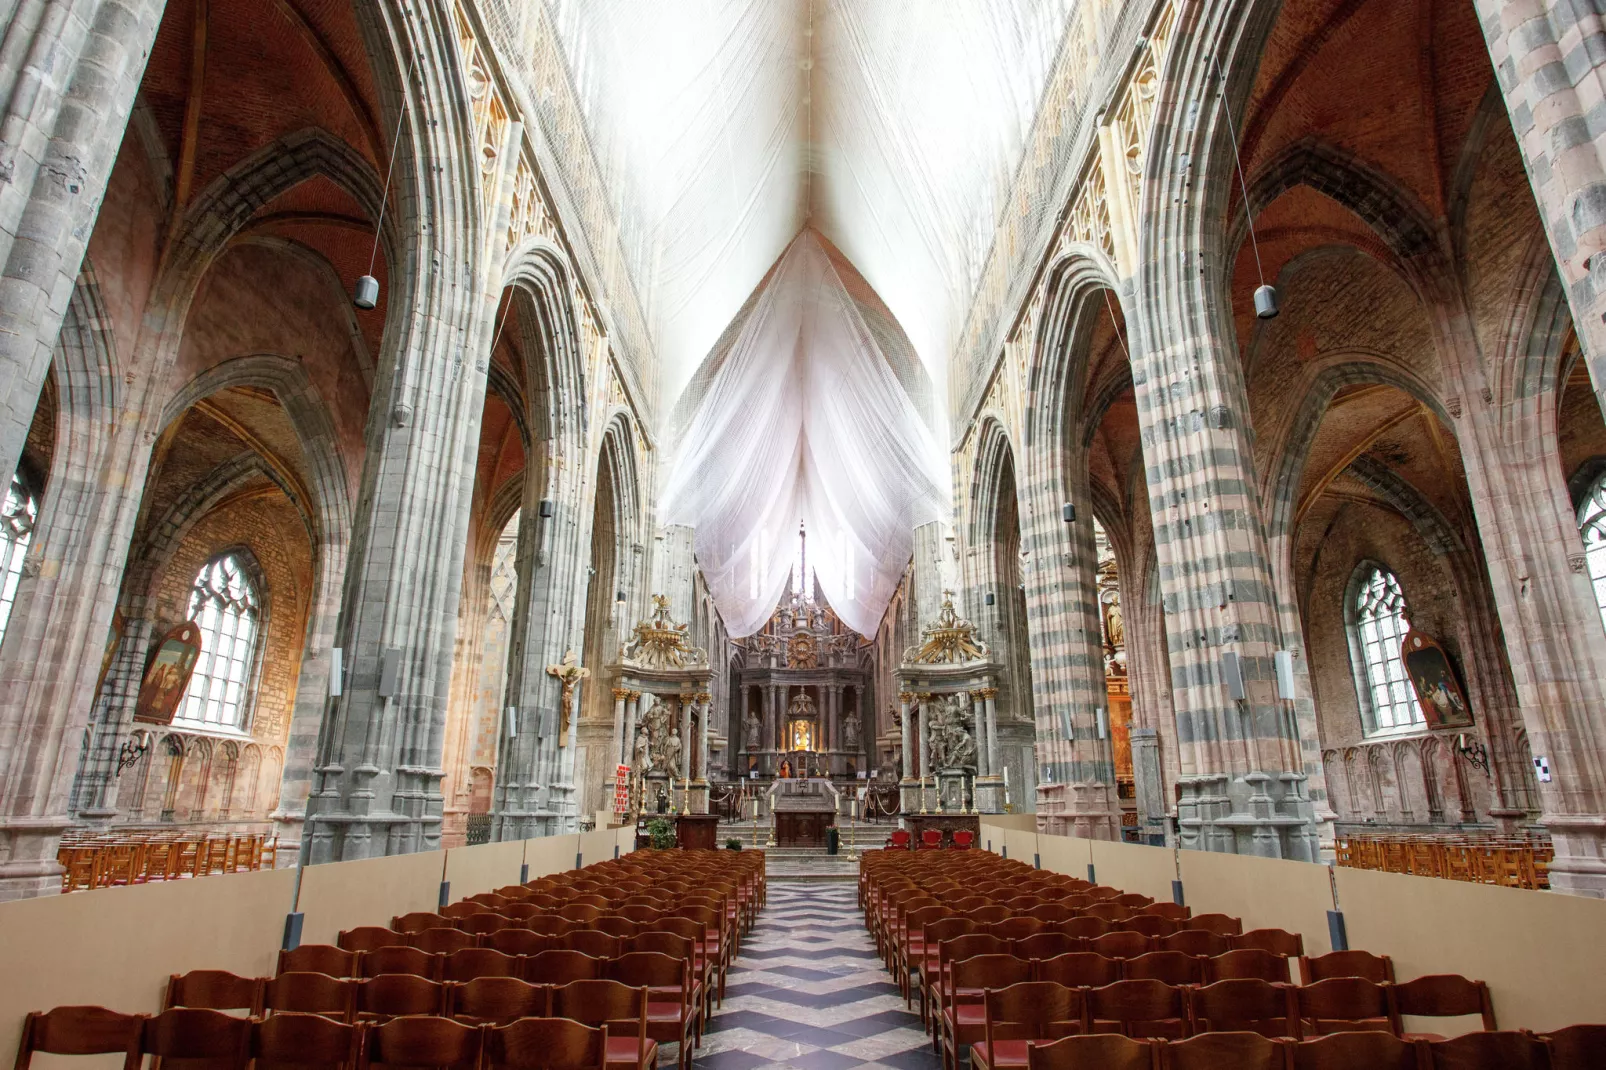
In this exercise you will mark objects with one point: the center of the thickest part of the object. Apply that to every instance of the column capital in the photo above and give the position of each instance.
(906, 697)
(703, 697)
(635, 695)
(986, 693)
(622, 693)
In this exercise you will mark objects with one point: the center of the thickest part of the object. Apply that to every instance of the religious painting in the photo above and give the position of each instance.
(1437, 689)
(168, 675)
(114, 635)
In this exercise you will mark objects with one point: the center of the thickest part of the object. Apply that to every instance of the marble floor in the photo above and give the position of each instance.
(809, 991)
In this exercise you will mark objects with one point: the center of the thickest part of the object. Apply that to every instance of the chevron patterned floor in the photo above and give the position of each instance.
(808, 991)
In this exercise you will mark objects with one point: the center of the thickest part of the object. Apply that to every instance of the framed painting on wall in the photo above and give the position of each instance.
(168, 674)
(1438, 691)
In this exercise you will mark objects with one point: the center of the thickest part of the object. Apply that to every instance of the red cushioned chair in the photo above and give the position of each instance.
(964, 839)
(930, 840)
(899, 839)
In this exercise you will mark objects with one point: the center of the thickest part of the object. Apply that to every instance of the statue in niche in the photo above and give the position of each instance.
(851, 728)
(951, 744)
(751, 730)
(641, 750)
(664, 740)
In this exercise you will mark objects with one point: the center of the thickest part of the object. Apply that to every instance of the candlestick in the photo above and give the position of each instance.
(923, 793)
(685, 796)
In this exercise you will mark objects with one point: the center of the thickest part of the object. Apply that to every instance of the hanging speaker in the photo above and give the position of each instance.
(1266, 306)
(545, 508)
(989, 598)
(1068, 513)
(367, 293)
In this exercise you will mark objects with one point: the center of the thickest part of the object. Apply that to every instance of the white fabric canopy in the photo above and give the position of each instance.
(724, 128)
(807, 411)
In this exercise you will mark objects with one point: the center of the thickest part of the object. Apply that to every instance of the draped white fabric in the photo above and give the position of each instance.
(723, 129)
(803, 417)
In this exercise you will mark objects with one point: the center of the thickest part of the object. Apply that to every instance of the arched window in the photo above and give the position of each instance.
(1378, 622)
(223, 603)
(1592, 526)
(16, 531)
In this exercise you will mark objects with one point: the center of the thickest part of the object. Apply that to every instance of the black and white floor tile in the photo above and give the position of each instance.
(809, 991)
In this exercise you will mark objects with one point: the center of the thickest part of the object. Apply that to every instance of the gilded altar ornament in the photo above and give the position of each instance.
(950, 640)
(568, 672)
(660, 643)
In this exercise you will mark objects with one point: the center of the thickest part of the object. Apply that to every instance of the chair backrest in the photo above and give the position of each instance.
(1121, 945)
(398, 960)
(1225, 1051)
(300, 992)
(971, 944)
(370, 938)
(1509, 1050)
(602, 1002)
(1246, 962)
(216, 990)
(1175, 911)
(547, 1044)
(580, 912)
(1245, 1004)
(1345, 1051)
(480, 924)
(666, 943)
(990, 971)
(1347, 1003)
(184, 1033)
(1097, 1051)
(472, 962)
(649, 969)
(900, 838)
(964, 838)
(1016, 928)
(318, 958)
(1079, 968)
(440, 941)
(593, 942)
(1277, 941)
(559, 966)
(1085, 928)
(419, 920)
(548, 925)
(1133, 899)
(1041, 1010)
(1578, 1047)
(521, 910)
(518, 942)
(82, 1031)
(425, 1040)
(1147, 924)
(392, 995)
(990, 914)
(303, 1042)
(1141, 1008)
(617, 925)
(1052, 913)
(1445, 995)
(1195, 942)
(461, 910)
(1363, 964)
(931, 838)
(497, 1000)
(1046, 945)
(1109, 911)
(1225, 924)
(1172, 967)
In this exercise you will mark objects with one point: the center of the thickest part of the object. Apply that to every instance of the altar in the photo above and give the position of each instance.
(804, 811)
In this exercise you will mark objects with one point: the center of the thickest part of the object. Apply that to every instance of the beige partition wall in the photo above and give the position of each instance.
(1540, 952)
(116, 947)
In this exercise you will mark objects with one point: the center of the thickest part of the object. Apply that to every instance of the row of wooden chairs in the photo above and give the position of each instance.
(1509, 864)
(219, 1041)
(105, 864)
(1580, 1047)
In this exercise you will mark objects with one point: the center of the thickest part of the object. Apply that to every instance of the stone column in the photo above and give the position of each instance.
(705, 711)
(989, 696)
(907, 731)
(978, 717)
(925, 737)
(683, 709)
(622, 723)
(833, 726)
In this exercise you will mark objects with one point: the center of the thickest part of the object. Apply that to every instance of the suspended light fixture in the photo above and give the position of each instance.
(1266, 303)
(366, 294)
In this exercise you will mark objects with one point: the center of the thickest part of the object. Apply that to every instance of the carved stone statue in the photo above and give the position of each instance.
(751, 731)
(667, 758)
(851, 728)
(665, 741)
(569, 673)
(951, 744)
(641, 750)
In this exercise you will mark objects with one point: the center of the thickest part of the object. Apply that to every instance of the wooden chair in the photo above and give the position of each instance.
(935, 988)
(1245, 1005)
(546, 1044)
(82, 1031)
(602, 1002)
(672, 1009)
(318, 958)
(1220, 1051)
(930, 840)
(424, 1040)
(1108, 911)
(1345, 1004)
(459, 911)
(484, 924)
(1509, 1050)
(216, 990)
(1174, 911)
(1084, 928)
(1224, 924)
(1016, 928)
(396, 995)
(440, 941)
(1578, 1047)
(1078, 969)
(518, 942)
(963, 1019)
(559, 966)
(617, 925)
(1052, 913)
(1095, 1051)
(1122, 945)
(419, 920)
(964, 839)
(1013, 1017)
(497, 1000)
(303, 1042)
(1147, 924)
(1277, 941)
(550, 925)
(220, 1040)
(1172, 967)
(1246, 962)
(1133, 899)
(1046, 946)
(310, 993)
(472, 962)
(1363, 964)
(399, 960)
(1196, 942)
(1444, 995)
(1138, 1009)
(899, 840)
(520, 911)
(370, 938)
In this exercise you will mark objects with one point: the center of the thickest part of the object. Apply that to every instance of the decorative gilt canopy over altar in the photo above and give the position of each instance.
(804, 633)
(949, 640)
(659, 643)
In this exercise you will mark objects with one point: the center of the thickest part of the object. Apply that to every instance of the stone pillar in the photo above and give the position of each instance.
(622, 722)
(907, 731)
(925, 737)
(69, 72)
(833, 723)
(989, 696)
(706, 709)
(978, 716)
(683, 709)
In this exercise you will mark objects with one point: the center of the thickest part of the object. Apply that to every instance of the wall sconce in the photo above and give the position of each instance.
(1476, 754)
(133, 749)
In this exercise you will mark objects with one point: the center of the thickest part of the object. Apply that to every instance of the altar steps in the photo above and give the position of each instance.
(810, 863)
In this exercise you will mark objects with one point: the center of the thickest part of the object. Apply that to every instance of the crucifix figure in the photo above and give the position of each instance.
(569, 673)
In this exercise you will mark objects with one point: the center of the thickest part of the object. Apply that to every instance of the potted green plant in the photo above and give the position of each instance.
(662, 831)
(733, 844)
